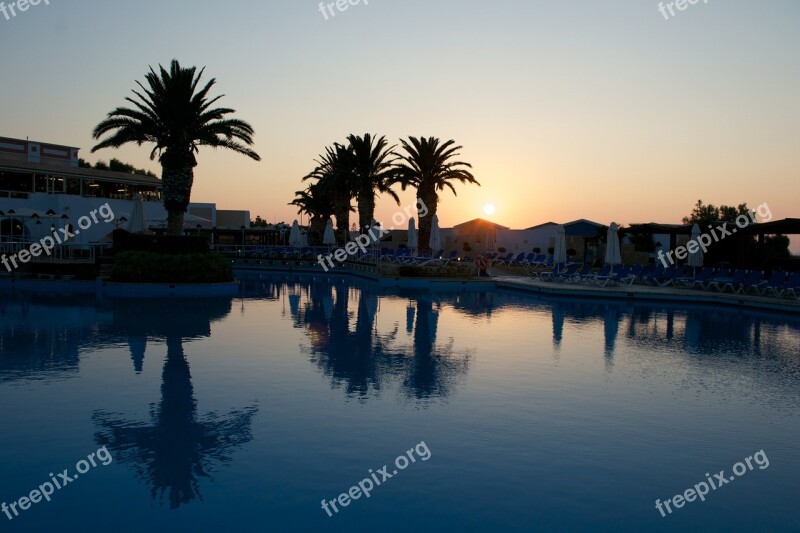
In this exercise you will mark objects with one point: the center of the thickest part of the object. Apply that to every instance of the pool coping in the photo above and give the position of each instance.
(647, 293)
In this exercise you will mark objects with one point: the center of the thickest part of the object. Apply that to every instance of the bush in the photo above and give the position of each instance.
(149, 267)
(161, 244)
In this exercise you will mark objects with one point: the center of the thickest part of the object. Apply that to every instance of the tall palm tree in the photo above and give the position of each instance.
(177, 118)
(428, 166)
(318, 206)
(373, 168)
(334, 175)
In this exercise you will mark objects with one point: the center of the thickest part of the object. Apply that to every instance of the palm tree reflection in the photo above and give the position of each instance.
(178, 446)
(434, 370)
(359, 360)
(347, 345)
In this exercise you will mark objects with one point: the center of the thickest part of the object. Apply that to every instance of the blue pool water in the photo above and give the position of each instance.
(244, 414)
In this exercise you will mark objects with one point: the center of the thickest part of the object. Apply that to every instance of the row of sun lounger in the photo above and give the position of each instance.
(779, 283)
(405, 256)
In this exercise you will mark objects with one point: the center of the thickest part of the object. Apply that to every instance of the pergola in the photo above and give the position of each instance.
(787, 226)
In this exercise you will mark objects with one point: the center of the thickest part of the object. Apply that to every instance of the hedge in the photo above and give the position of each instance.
(149, 267)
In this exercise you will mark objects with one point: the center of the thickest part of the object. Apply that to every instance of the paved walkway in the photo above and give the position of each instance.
(646, 292)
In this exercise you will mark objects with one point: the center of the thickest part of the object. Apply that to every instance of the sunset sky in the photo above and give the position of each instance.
(567, 109)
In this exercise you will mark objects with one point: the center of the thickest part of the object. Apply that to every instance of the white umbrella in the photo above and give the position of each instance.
(436, 236)
(696, 257)
(295, 239)
(413, 237)
(560, 250)
(136, 222)
(329, 238)
(613, 253)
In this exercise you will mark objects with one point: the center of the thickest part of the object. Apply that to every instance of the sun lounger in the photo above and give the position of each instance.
(775, 283)
(586, 272)
(619, 275)
(789, 287)
(751, 282)
(699, 278)
(548, 276)
(720, 284)
(565, 273)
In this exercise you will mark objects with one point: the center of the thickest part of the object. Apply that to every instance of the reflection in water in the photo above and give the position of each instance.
(358, 359)
(41, 336)
(346, 344)
(434, 370)
(349, 338)
(178, 446)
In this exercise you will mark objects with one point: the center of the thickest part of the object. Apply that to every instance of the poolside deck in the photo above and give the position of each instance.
(646, 292)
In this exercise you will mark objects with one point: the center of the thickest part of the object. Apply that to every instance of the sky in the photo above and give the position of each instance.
(609, 111)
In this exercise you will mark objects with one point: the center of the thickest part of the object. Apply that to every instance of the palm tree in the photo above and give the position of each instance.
(427, 165)
(177, 118)
(318, 206)
(373, 168)
(334, 175)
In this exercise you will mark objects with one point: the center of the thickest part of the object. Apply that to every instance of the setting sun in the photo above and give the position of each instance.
(489, 209)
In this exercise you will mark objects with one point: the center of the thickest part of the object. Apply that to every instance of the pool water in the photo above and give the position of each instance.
(521, 413)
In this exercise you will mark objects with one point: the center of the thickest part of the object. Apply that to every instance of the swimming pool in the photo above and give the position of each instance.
(512, 412)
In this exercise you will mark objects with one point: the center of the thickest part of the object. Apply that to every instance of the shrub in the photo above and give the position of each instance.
(161, 244)
(149, 267)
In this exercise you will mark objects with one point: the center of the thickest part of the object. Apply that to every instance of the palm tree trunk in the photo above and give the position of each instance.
(175, 222)
(316, 230)
(430, 199)
(342, 214)
(177, 191)
(366, 210)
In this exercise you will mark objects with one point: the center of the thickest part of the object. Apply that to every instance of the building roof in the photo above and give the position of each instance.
(568, 224)
(543, 225)
(480, 221)
(584, 221)
(78, 172)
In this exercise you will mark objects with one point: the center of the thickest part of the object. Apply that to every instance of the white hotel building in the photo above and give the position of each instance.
(41, 184)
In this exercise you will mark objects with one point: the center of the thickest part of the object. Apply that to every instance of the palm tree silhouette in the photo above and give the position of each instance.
(318, 206)
(428, 166)
(178, 119)
(373, 168)
(334, 175)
